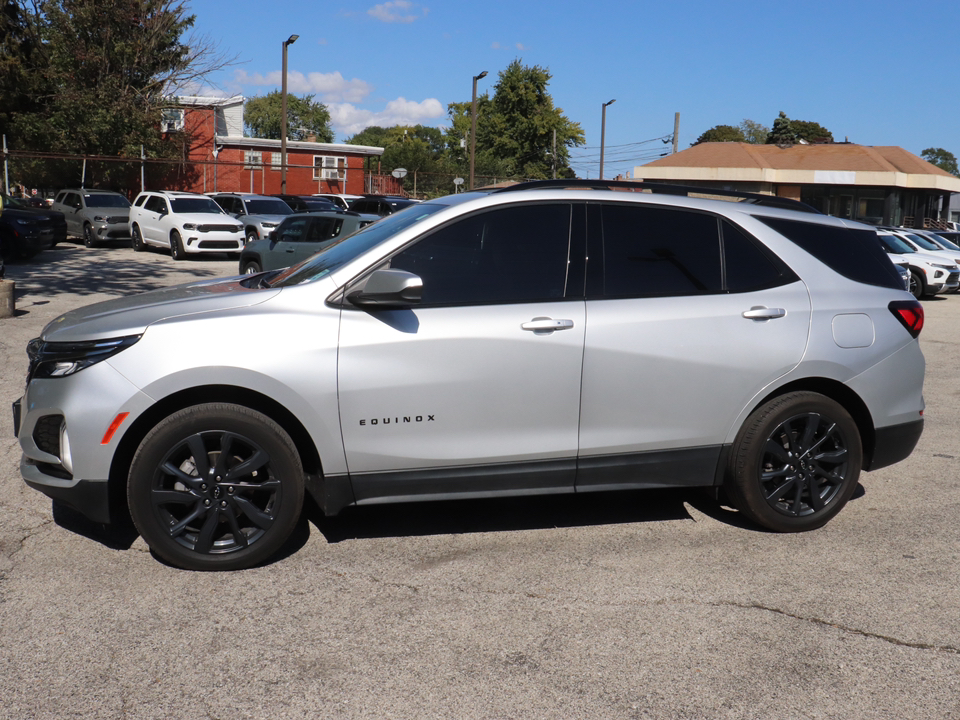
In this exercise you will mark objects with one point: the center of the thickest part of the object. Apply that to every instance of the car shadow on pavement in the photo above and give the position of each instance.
(503, 514)
(116, 536)
(64, 270)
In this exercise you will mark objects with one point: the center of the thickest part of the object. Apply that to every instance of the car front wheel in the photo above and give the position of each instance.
(88, 238)
(176, 246)
(252, 235)
(216, 487)
(795, 462)
(917, 286)
(137, 241)
(251, 267)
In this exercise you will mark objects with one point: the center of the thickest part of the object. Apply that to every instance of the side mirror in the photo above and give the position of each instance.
(388, 288)
(272, 236)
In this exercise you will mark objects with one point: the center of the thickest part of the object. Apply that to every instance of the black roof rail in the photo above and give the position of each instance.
(662, 188)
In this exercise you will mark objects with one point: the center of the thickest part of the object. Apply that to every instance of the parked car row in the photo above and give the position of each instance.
(26, 231)
(934, 268)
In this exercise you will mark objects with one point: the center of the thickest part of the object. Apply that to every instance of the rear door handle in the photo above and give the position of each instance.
(758, 312)
(546, 325)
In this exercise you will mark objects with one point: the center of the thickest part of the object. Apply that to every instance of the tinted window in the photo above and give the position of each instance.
(507, 255)
(106, 201)
(653, 252)
(195, 205)
(852, 253)
(156, 204)
(293, 229)
(267, 207)
(324, 229)
(747, 266)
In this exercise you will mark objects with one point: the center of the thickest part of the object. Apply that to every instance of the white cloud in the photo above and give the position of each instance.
(521, 46)
(347, 119)
(495, 45)
(330, 87)
(396, 11)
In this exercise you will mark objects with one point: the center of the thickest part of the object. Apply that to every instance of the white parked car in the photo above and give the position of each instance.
(929, 274)
(184, 222)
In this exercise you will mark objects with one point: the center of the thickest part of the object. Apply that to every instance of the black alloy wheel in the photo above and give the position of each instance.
(176, 246)
(88, 239)
(796, 462)
(917, 286)
(137, 241)
(216, 487)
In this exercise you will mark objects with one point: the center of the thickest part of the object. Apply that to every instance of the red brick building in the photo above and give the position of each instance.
(222, 159)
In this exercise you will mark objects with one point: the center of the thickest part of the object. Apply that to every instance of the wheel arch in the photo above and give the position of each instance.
(842, 394)
(235, 395)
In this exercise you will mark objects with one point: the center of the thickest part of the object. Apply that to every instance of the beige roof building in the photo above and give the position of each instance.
(883, 185)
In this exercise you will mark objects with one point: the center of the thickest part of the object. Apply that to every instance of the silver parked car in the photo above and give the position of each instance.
(95, 215)
(544, 338)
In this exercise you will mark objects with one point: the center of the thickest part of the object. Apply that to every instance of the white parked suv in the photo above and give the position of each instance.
(184, 222)
(930, 274)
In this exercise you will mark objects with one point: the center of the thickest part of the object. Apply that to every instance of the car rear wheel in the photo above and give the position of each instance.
(137, 241)
(251, 267)
(88, 239)
(216, 487)
(176, 246)
(795, 462)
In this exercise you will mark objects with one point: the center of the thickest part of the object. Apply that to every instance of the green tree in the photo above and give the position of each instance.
(812, 132)
(264, 116)
(943, 159)
(94, 76)
(515, 127)
(721, 133)
(782, 132)
(753, 132)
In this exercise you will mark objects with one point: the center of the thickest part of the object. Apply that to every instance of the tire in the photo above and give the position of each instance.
(176, 246)
(917, 285)
(137, 240)
(88, 239)
(251, 236)
(251, 267)
(232, 509)
(795, 462)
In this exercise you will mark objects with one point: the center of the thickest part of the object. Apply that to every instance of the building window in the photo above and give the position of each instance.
(274, 160)
(171, 120)
(328, 167)
(251, 159)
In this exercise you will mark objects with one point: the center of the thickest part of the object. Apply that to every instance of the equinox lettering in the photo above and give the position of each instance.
(397, 420)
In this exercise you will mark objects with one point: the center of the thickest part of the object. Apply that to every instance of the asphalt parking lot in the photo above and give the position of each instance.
(633, 605)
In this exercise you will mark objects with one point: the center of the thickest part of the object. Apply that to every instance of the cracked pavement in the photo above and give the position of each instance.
(634, 605)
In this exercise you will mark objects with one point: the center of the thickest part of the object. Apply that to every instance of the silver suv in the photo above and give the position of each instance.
(259, 214)
(95, 215)
(545, 338)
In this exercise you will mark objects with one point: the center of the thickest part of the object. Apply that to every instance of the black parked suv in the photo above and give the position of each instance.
(380, 204)
(26, 231)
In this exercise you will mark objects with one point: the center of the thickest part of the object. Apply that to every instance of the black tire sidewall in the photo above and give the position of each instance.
(742, 482)
(176, 246)
(284, 462)
(253, 264)
(88, 236)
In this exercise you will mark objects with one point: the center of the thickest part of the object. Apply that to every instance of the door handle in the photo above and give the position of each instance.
(546, 325)
(758, 312)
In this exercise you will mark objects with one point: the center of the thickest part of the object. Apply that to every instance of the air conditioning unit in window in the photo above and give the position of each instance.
(333, 174)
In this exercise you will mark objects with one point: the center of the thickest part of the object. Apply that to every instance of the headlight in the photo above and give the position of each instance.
(60, 359)
(99, 218)
(945, 267)
(28, 223)
(189, 226)
(269, 224)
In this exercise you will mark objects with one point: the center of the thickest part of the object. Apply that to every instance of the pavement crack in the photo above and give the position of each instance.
(951, 649)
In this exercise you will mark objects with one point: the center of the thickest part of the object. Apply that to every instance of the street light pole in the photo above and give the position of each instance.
(603, 132)
(473, 125)
(283, 104)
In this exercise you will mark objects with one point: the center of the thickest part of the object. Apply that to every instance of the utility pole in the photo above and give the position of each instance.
(603, 132)
(676, 131)
(473, 125)
(554, 156)
(283, 103)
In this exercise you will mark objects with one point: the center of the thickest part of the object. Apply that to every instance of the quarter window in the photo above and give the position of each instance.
(508, 255)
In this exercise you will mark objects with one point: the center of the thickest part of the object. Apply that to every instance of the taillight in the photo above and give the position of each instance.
(910, 315)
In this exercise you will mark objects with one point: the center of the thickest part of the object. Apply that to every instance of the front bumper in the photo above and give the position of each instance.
(90, 498)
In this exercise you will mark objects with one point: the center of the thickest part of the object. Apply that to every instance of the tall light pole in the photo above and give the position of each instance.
(473, 125)
(603, 132)
(283, 103)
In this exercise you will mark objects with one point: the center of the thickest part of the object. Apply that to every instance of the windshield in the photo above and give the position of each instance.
(941, 240)
(107, 201)
(340, 253)
(268, 207)
(14, 202)
(891, 243)
(195, 205)
(923, 242)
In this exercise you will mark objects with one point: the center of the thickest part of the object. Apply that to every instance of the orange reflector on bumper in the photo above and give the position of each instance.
(117, 422)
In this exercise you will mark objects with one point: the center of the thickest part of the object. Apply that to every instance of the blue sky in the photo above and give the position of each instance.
(875, 72)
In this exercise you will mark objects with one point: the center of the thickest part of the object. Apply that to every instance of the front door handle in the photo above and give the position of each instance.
(543, 325)
(758, 312)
